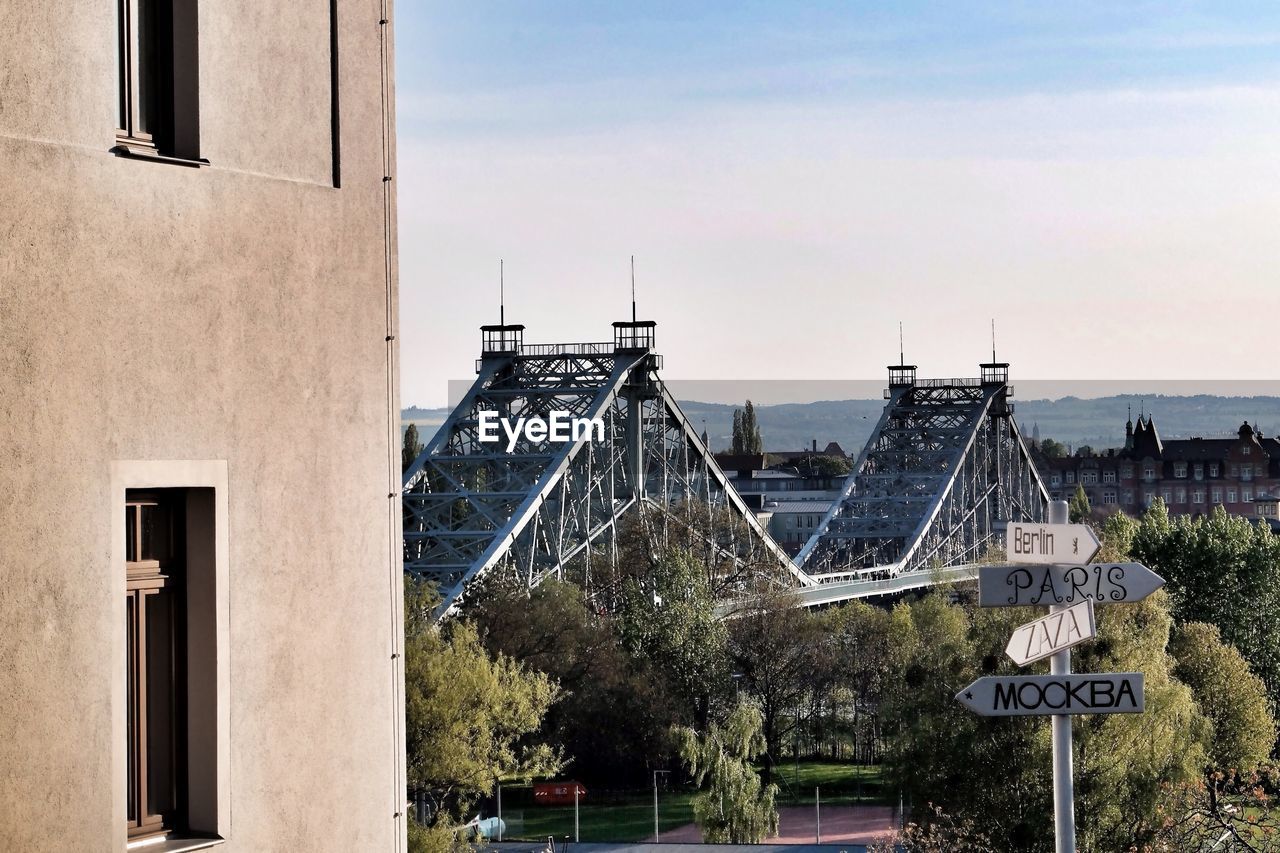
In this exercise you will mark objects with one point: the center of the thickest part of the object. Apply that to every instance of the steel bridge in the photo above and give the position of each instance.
(944, 469)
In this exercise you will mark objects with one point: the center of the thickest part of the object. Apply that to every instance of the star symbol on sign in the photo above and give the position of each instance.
(968, 694)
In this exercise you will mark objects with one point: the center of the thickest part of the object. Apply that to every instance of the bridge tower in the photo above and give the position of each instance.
(540, 508)
(944, 469)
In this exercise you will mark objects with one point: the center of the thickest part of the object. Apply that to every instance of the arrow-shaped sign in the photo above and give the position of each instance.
(1060, 630)
(1037, 695)
(1050, 543)
(1103, 583)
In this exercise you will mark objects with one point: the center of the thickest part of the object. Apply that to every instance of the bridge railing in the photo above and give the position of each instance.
(591, 348)
(949, 383)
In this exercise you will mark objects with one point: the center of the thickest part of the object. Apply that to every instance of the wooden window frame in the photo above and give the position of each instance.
(204, 484)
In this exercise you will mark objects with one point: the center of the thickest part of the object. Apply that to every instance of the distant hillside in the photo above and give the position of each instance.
(1100, 422)
(1070, 420)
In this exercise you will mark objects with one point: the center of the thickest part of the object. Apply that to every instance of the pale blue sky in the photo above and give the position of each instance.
(795, 177)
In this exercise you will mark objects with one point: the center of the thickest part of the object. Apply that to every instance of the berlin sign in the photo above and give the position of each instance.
(1050, 543)
(1047, 635)
(1039, 695)
(1103, 583)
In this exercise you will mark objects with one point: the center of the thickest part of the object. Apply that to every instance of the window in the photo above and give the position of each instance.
(1246, 495)
(1109, 496)
(170, 698)
(1231, 496)
(1149, 473)
(1197, 497)
(1182, 496)
(1089, 478)
(1257, 471)
(1167, 497)
(1128, 497)
(1199, 472)
(171, 552)
(1055, 479)
(1071, 476)
(1245, 450)
(1213, 470)
(1127, 472)
(1180, 470)
(158, 66)
(1215, 495)
(1246, 472)
(155, 678)
(1109, 476)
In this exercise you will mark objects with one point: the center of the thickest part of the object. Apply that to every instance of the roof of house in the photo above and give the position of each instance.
(798, 506)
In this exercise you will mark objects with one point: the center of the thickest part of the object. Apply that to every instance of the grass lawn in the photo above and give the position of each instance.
(841, 783)
(632, 820)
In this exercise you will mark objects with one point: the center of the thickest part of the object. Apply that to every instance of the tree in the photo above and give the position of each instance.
(773, 647)
(411, 448)
(667, 624)
(746, 431)
(751, 438)
(470, 717)
(1232, 697)
(858, 659)
(822, 465)
(937, 751)
(1222, 570)
(1078, 508)
(1125, 762)
(736, 808)
(1229, 810)
(614, 715)
(1118, 531)
(1052, 449)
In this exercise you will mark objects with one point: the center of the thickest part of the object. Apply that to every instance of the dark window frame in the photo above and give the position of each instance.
(158, 59)
(156, 682)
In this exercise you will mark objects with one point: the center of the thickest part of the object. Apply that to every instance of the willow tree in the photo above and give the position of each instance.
(736, 807)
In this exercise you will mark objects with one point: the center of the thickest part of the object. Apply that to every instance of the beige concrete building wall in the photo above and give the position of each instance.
(235, 315)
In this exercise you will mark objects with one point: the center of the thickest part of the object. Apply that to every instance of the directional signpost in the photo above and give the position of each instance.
(1060, 630)
(1051, 543)
(1042, 695)
(1103, 583)
(1052, 566)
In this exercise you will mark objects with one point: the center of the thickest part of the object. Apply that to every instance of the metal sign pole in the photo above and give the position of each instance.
(817, 813)
(1064, 808)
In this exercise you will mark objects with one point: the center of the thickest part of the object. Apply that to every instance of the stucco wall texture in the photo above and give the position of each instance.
(236, 312)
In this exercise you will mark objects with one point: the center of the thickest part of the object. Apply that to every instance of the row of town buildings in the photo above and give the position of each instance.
(1192, 475)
